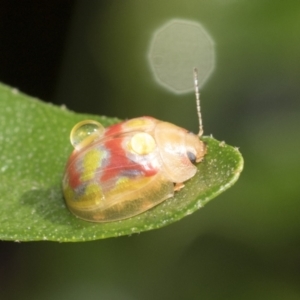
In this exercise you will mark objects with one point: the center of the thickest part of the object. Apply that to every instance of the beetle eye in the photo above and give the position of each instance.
(191, 156)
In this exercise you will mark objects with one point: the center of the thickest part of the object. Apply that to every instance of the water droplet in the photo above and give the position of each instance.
(85, 132)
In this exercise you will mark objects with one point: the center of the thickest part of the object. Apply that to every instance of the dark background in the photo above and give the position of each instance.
(33, 35)
(91, 56)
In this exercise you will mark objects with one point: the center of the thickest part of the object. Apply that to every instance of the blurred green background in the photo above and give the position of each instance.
(91, 56)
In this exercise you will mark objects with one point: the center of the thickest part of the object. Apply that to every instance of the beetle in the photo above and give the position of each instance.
(125, 169)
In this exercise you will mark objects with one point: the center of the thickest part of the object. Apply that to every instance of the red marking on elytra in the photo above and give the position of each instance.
(114, 129)
(120, 162)
(122, 127)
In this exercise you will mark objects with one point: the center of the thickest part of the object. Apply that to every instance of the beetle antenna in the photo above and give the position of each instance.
(197, 94)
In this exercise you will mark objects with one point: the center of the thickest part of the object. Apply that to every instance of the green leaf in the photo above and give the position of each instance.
(34, 147)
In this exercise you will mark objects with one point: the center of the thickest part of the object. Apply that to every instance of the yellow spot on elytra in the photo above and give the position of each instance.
(120, 186)
(137, 123)
(68, 192)
(125, 185)
(90, 164)
(142, 143)
(93, 193)
(92, 196)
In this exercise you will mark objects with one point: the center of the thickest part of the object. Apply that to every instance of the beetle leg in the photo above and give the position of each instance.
(178, 186)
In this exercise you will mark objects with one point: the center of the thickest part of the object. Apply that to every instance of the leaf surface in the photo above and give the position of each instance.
(34, 147)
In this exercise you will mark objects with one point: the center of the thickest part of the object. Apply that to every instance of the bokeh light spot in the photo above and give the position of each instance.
(175, 49)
